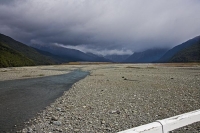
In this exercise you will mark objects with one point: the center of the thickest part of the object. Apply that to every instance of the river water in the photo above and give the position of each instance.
(22, 99)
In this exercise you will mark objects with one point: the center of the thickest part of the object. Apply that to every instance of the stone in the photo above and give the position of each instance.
(76, 130)
(57, 123)
(29, 130)
(58, 109)
(103, 122)
(54, 118)
(115, 112)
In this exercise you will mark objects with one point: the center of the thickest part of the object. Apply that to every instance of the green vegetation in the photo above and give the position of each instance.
(190, 54)
(15, 54)
(10, 57)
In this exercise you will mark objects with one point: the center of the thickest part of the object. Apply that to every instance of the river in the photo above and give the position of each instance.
(22, 99)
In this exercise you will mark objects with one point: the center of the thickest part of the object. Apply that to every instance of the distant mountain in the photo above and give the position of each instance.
(147, 56)
(71, 54)
(117, 58)
(14, 53)
(185, 52)
(98, 58)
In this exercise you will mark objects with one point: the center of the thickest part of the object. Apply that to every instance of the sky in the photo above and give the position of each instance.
(101, 26)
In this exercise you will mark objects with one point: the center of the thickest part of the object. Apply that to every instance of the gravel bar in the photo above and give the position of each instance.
(117, 97)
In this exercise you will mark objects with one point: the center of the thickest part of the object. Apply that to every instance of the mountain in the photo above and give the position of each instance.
(71, 54)
(147, 56)
(10, 57)
(189, 54)
(117, 58)
(98, 58)
(185, 52)
(14, 53)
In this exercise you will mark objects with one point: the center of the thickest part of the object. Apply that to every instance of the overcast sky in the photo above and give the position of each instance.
(103, 26)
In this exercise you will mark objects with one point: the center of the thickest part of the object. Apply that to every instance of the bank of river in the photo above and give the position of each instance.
(21, 99)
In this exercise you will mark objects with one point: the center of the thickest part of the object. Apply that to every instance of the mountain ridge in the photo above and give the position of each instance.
(147, 56)
(15, 53)
(169, 54)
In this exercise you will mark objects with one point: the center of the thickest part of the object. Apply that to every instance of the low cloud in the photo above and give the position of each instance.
(101, 25)
(102, 52)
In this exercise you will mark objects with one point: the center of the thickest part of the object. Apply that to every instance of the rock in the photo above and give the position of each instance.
(103, 122)
(59, 130)
(76, 130)
(29, 130)
(79, 118)
(108, 129)
(58, 109)
(57, 123)
(126, 111)
(54, 118)
(115, 112)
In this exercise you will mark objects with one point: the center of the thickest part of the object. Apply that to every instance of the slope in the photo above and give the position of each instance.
(175, 50)
(71, 54)
(10, 57)
(24, 51)
(189, 54)
(148, 56)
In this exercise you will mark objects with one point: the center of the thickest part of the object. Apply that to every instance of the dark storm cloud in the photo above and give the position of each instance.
(101, 25)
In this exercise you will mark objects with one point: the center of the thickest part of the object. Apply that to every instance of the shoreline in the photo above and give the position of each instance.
(22, 99)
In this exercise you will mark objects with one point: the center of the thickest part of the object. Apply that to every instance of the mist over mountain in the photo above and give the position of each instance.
(71, 54)
(117, 58)
(14, 53)
(99, 58)
(147, 56)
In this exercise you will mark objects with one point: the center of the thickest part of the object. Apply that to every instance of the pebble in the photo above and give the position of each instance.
(115, 112)
(58, 109)
(54, 118)
(29, 130)
(96, 105)
(76, 130)
(57, 123)
(103, 122)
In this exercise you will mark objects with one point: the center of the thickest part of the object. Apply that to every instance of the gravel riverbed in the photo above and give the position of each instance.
(116, 97)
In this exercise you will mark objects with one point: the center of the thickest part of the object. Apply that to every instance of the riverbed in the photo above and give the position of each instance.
(22, 99)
